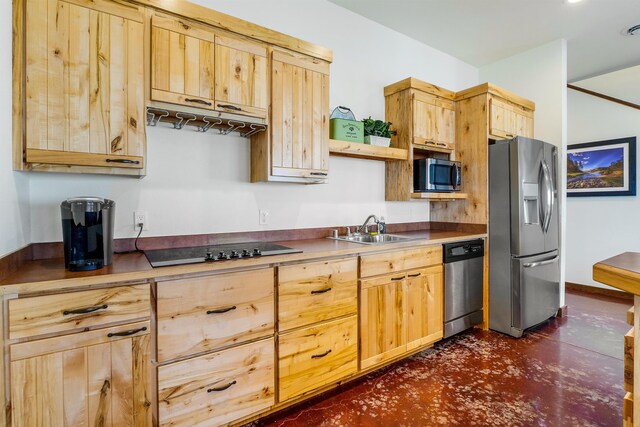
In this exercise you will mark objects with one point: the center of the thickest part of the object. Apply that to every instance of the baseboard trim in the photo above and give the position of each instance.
(598, 291)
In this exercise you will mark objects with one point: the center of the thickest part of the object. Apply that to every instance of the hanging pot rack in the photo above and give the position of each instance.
(224, 123)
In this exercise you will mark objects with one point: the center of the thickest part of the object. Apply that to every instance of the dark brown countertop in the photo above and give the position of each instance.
(50, 275)
(621, 271)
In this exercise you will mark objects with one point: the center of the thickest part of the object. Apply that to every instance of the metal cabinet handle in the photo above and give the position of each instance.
(127, 161)
(229, 107)
(415, 275)
(321, 291)
(198, 101)
(126, 333)
(510, 135)
(318, 174)
(85, 310)
(222, 388)
(397, 278)
(539, 263)
(221, 310)
(441, 144)
(318, 356)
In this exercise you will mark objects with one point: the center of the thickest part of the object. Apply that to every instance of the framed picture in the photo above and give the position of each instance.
(602, 168)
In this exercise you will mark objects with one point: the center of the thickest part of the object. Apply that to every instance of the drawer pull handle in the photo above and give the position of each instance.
(221, 388)
(321, 291)
(397, 278)
(199, 101)
(85, 310)
(126, 161)
(126, 333)
(229, 107)
(441, 144)
(319, 174)
(415, 275)
(221, 310)
(319, 356)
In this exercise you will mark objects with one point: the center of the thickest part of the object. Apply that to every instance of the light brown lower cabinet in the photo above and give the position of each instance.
(316, 356)
(217, 388)
(400, 312)
(94, 378)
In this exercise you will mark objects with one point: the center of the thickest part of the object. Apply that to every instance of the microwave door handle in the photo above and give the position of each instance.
(454, 175)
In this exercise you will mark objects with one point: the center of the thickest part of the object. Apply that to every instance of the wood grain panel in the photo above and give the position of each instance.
(389, 262)
(99, 64)
(176, 62)
(424, 294)
(313, 292)
(78, 92)
(36, 74)
(160, 58)
(80, 382)
(217, 388)
(628, 360)
(424, 118)
(399, 175)
(383, 328)
(46, 314)
(206, 313)
(117, 86)
(317, 356)
(136, 116)
(58, 75)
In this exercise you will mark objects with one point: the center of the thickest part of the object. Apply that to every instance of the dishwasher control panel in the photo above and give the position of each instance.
(459, 251)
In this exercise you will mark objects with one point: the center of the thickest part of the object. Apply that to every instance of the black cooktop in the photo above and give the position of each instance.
(212, 253)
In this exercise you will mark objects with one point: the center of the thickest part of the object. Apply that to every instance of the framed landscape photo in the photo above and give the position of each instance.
(602, 168)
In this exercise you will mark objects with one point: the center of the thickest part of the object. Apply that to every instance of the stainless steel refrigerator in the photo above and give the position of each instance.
(524, 271)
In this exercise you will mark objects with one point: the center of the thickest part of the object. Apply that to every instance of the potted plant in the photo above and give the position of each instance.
(377, 132)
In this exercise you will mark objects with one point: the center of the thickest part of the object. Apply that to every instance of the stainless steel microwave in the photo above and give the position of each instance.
(431, 175)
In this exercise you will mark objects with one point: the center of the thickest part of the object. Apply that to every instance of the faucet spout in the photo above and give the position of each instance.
(366, 221)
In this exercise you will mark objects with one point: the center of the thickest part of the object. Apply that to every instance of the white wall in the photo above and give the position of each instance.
(600, 227)
(14, 187)
(540, 75)
(199, 183)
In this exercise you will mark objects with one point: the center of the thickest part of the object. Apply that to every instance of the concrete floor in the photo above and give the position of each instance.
(566, 372)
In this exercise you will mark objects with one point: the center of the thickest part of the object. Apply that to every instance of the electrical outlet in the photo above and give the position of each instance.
(264, 217)
(140, 217)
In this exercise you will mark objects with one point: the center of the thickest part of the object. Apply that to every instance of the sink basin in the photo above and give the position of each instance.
(373, 239)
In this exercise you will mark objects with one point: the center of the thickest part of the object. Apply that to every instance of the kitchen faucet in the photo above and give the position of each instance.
(366, 221)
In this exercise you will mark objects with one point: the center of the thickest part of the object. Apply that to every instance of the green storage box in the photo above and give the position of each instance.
(346, 130)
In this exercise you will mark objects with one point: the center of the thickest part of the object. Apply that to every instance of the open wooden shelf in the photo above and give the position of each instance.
(440, 197)
(431, 148)
(366, 151)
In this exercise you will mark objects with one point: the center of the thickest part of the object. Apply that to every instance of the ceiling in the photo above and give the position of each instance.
(482, 32)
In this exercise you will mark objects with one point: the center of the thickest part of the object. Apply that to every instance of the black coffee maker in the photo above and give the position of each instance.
(87, 231)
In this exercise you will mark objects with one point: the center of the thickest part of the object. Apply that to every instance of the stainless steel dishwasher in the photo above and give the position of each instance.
(463, 278)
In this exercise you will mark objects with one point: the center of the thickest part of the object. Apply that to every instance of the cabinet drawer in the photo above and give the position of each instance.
(314, 292)
(314, 357)
(389, 262)
(206, 313)
(217, 388)
(65, 312)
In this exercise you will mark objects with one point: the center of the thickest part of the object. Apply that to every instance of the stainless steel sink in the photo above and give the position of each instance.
(373, 239)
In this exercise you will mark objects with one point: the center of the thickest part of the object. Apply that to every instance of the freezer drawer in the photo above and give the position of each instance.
(535, 290)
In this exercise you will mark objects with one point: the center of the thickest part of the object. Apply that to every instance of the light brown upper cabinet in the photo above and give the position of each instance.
(182, 63)
(193, 65)
(296, 147)
(508, 120)
(83, 87)
(433, 121)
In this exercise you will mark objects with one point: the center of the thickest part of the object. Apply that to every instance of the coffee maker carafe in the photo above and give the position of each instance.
(87, 231)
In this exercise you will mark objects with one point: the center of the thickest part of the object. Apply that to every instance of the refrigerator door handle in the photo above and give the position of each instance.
(541, 199)
(548, 196)
(540, 263)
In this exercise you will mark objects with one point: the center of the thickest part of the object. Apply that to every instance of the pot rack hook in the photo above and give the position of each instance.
(184, 119)
(233, 125)
(254, 128)
(210, 122)
(155, 115)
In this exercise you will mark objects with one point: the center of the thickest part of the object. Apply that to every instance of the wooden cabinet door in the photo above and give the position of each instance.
(95, 378)
(383, 332)
(84, 84)
(182, 63)
(509, 120)
(241, 77)
(299, 116)
(445, 123)
(424, 117)
(424, 294)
